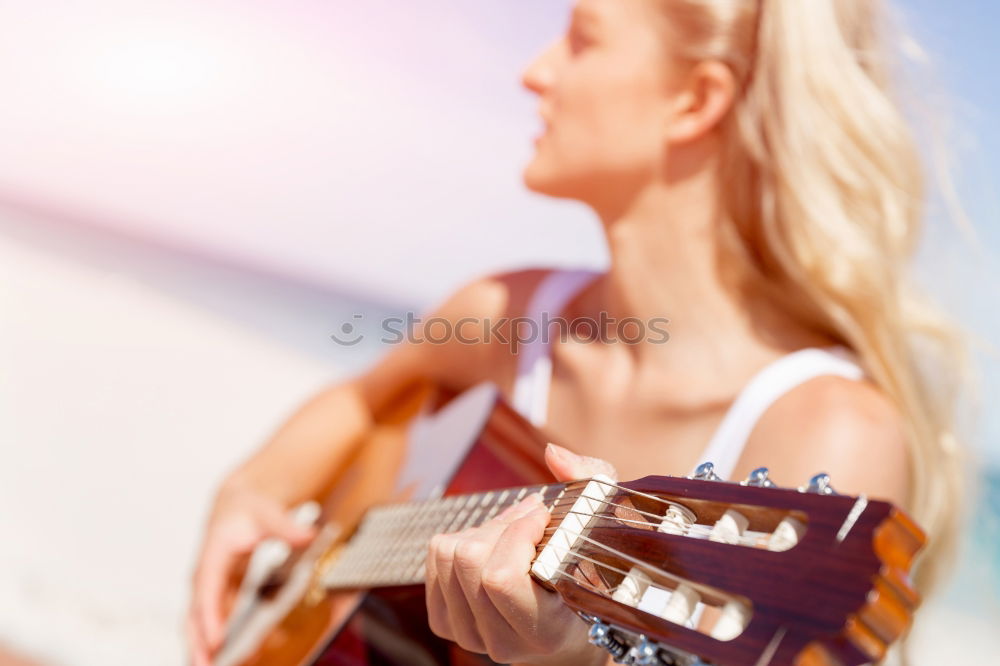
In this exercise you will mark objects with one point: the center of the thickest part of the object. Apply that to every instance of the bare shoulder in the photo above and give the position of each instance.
(451, 345)
(492, 296)
(848, 429)
(460, 342)
(495, 294)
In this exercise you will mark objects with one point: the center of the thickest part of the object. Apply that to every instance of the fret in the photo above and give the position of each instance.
(497, 506)
(415, 543)
(480, 506)
(558, 497)
(386, 548)
(411, 550)
(459, 516)
(521, 494)
(414, 548)
(386, 539)
(414, 522)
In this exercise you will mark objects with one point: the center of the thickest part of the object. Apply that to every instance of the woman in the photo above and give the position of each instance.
(757, 187)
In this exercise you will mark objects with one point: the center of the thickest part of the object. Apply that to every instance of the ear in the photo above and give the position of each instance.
(704, 97)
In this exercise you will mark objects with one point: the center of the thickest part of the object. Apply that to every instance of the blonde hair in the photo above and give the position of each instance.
(824, 198)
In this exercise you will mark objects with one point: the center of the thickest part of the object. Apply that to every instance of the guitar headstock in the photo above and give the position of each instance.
(691, 570)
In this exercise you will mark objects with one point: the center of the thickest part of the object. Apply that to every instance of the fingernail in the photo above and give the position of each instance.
(561, 453)
(555, 451)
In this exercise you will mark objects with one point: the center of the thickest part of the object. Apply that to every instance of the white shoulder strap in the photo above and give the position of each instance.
(534, 365)
(764, 389)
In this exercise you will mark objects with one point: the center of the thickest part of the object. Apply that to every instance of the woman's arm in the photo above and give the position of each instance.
(296, 462)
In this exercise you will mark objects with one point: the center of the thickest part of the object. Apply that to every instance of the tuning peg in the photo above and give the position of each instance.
(644, 653)
(819, 484)
(600, 635)
(759, 478)
(706, 472)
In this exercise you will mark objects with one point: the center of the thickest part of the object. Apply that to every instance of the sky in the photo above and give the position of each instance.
(960, 39)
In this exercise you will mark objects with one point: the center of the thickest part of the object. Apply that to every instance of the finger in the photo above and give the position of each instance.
(437, 612)
(443, 546)
(471, 557)
(506, 578)
(439, 568)
(474, 546)
(280, 524)
(210, 587)
(568, 466)
(196, 645)
(460, 617)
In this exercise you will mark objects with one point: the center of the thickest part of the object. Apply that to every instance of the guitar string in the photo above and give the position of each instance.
(545, 489)
(750, 538)
(430, 515)
(563, 573)
(688, 513)
(400, 556)
(691, 530)
(629, 558)
(604, 565)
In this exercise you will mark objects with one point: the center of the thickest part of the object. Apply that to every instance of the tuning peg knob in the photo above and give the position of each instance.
(601, 636)
(644, 653)
(759, 478)
(819, 484)
(706, 472)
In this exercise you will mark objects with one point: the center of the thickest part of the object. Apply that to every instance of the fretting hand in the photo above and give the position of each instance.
(481, 596)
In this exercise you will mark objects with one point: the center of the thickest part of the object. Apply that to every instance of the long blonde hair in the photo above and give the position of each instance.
(824, 198)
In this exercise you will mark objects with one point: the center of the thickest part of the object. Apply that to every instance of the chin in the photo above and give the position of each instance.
(545, 181)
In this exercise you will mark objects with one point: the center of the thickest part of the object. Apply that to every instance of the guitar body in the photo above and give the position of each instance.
(493, 447)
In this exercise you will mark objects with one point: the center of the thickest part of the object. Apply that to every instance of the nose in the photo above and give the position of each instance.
(537, 76)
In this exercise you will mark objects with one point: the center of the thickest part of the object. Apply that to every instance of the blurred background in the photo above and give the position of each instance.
(194, 194)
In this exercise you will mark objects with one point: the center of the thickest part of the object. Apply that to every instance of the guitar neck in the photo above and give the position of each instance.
(390, 545)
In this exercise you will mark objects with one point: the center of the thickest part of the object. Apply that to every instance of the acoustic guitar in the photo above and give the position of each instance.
(665, 570)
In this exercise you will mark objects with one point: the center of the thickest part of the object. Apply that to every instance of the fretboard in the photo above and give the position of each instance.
(390, 545)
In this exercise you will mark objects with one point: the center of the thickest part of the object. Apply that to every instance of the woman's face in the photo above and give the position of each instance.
(603, 93)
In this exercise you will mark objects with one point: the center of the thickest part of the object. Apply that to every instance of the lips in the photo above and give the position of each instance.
(544, 115)
(546, 124)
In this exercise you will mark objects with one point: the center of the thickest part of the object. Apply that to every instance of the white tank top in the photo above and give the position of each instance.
(534, 374)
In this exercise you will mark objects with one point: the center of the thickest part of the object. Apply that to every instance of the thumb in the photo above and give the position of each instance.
(568, 466)
(282, 525)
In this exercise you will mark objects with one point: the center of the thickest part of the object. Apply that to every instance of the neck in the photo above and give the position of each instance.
(664, 251)
(666, 262)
